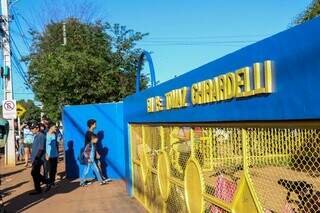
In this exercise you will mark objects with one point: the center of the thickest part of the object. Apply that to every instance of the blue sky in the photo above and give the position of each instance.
(183, 35)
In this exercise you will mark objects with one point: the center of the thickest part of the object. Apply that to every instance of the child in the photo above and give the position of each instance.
(89, 153)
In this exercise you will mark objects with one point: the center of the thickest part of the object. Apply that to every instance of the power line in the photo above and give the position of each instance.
(25, 20)
(17, 22)
(16, 46)
(22, 36)
(20, 69)
(206, 37)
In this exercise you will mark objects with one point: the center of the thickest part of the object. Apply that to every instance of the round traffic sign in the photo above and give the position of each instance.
(9, 105)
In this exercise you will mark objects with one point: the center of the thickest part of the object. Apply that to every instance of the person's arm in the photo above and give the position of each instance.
(48, 148)
(97, 155)
(22, 126)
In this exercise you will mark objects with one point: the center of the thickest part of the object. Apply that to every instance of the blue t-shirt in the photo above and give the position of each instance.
(28, 136)
(51, 146)
(38, 146)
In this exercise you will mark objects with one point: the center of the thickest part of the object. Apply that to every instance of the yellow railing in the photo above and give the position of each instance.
(212, 169)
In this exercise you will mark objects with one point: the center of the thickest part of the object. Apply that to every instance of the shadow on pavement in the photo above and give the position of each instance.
(7, 191)
(25, 201)
(11, 173)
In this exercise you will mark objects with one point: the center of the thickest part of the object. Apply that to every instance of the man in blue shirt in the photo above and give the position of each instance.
(51, 153)
(37, 156)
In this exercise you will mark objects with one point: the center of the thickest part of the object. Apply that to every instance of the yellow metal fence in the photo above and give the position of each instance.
(209, 169)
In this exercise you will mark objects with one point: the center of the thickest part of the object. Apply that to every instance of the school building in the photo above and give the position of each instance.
(239, 134)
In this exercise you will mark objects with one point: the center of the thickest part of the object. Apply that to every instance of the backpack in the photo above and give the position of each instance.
(83, 153)
(82, 159)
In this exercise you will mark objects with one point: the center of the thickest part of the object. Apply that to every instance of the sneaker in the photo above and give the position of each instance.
(83, 184)
(48, 187)
(88, 183)
(108, 180)
(103, 183)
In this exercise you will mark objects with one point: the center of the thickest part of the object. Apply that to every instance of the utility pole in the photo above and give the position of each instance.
(10, 154)
(64, 33)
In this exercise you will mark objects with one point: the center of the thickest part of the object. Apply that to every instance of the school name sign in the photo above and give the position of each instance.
(244, 82)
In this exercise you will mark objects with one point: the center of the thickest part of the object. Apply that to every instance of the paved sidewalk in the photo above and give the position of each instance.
(67, 196)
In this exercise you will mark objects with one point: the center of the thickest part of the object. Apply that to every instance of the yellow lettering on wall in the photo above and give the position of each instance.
(158, 103)
(230, 85)
(208, 91)
(239, 82)
(257, 79)
(194, 97)
(184, 92)
(222, 87)
(247, 83)
(215, 90)
(150, 104)
(268, 76)
(168, 101)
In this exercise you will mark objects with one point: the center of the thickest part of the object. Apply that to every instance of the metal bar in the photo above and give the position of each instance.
(217, 202)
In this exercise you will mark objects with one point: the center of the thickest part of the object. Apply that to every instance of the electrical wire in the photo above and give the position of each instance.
(22, 34)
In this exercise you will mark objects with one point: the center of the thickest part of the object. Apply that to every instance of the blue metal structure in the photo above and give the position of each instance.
(295, 56)
(144, 55)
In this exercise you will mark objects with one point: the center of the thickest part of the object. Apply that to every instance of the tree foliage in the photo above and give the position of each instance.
(312, 11)
(33, 113)
(96, 65)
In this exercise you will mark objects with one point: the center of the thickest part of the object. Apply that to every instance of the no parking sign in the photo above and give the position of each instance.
(9, 109)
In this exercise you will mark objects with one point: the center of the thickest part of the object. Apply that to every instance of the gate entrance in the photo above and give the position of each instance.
(210, 168)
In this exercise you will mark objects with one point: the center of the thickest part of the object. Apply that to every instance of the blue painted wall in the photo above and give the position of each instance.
(295, 54)
(296, 58)
(111, 137)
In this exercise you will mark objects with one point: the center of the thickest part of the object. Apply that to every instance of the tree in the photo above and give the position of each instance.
(312, 11)
(97, 64)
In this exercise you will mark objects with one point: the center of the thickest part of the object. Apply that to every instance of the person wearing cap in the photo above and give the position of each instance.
(51, 153)
(37, 156)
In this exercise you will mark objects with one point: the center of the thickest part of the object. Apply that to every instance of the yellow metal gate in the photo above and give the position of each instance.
(196, 168)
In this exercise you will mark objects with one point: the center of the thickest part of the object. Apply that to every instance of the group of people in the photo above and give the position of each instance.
(40, 142)
(91, 157)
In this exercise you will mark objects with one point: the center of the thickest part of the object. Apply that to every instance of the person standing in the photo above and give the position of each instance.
(51, 154)
(44, 129)
(27, 142)
(38, 151)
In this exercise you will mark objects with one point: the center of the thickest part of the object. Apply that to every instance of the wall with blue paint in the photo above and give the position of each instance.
(295, 54)
(111, 144)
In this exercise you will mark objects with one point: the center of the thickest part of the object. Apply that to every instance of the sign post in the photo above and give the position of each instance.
(20, 112)
(9, 111)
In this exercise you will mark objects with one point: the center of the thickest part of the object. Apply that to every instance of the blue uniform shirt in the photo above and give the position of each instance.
(38, 146)
(51, 146)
